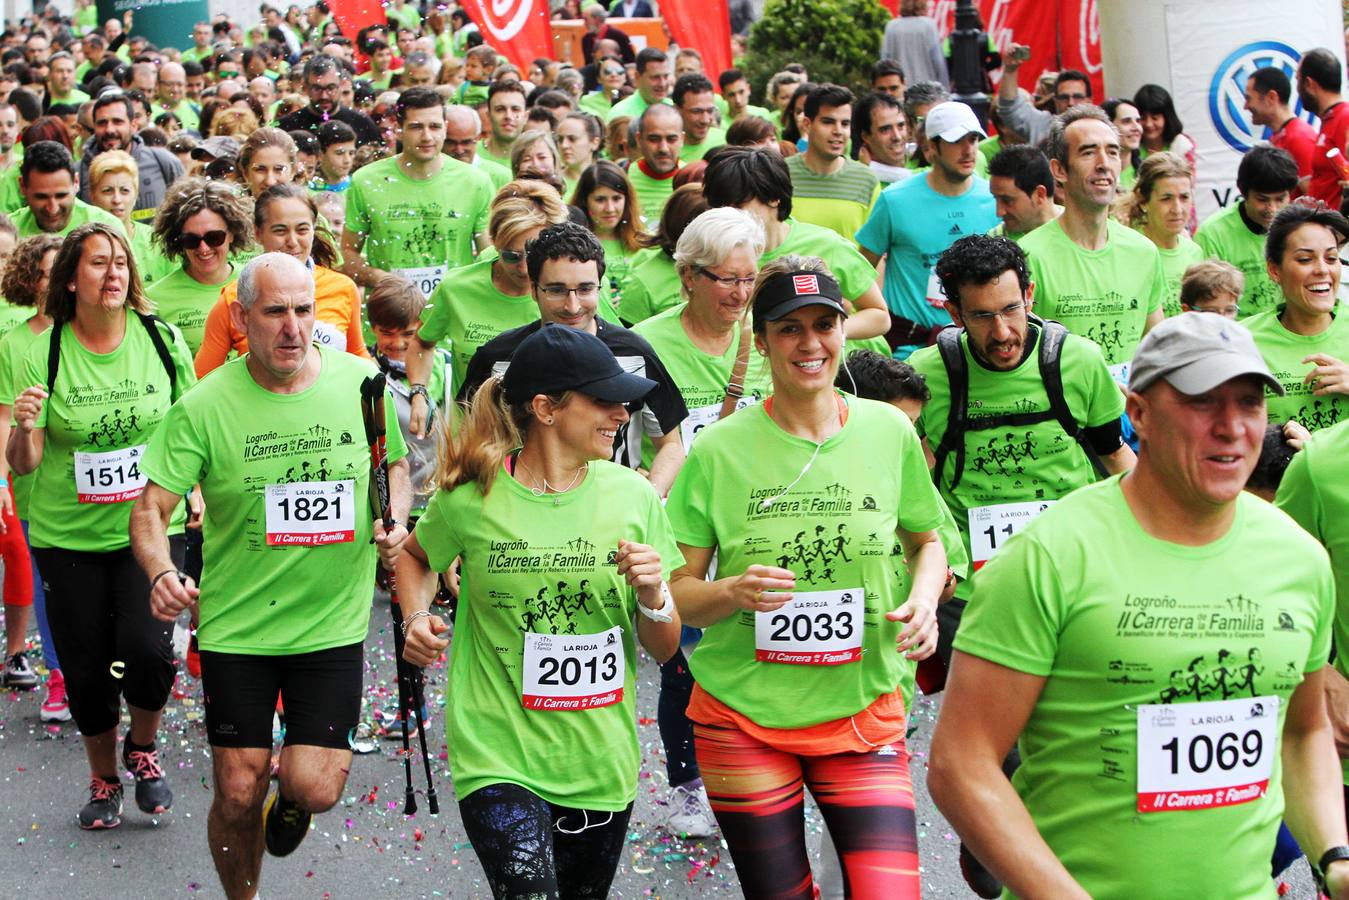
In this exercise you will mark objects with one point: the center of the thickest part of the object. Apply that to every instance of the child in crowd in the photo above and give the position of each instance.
(1212, 286)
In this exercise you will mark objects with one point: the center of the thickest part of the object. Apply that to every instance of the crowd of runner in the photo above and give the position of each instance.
(818, 403)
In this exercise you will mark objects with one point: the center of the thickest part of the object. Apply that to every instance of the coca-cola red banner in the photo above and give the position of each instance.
(705, 25)
(517, 28)
(1062, 34)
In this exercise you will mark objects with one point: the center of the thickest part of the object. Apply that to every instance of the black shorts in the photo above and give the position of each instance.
(321, 693)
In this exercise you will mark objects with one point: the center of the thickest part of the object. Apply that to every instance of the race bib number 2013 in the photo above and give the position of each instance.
(573, 672)
(311, 513)
(1205, 755)
(817, 628)
(110, 477)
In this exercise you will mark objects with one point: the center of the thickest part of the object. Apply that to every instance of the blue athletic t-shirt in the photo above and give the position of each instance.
(914, 224)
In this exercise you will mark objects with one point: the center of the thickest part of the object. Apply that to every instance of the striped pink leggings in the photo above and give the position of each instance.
(866, 800)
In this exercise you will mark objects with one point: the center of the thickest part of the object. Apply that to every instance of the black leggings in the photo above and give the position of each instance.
(524, 846)
(98, 605)
(676, 731)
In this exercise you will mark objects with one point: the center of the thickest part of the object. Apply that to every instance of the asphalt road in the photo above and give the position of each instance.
(364, 847)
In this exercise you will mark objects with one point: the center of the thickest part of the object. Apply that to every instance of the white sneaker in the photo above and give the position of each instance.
(690, 813)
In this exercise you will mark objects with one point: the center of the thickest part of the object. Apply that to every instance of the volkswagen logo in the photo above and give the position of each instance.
(1227, 91)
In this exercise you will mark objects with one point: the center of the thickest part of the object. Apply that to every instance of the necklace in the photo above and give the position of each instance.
(552, 489)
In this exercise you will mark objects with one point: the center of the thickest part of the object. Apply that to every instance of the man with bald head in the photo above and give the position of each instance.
(660, 135)
(171, 96)
(263, 90)
(289, 555)
(463, 127)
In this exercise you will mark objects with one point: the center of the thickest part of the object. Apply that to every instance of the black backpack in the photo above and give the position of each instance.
(958, 422)
(151, 323)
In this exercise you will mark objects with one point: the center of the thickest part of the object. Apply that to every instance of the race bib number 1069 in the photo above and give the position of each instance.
(1205, 755)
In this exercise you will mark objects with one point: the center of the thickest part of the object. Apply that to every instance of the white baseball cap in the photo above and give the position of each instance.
(951, 121)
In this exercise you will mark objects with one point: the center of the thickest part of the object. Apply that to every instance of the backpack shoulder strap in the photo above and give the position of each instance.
(957, 417)
(1052, 336)
(54, 356)
(152, 323)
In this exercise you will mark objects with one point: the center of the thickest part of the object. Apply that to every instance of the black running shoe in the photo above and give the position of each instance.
(152, 791)
(284, 825)
(104, 809)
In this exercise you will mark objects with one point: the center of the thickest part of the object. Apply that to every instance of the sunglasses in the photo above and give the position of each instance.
(512, 256)
(193, 241)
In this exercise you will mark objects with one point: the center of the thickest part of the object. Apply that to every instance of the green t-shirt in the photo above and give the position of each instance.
(1284, 351)
(1105, 295)
(405, 16)
(1027, 464)
(1115, 619)
(1224, 235)
(959, 562)
(652, 286)
(618, 262)
(596, 103)
(652, 193)
(188, 115)
(700, 377)
(543, 565)
(186, 302)
(74, 98)
(11, 315)
(80, 213)
(485, 152)
(418, 229)
(840, 202)
(833, 525)
(238, 440)
(1315, 493)
(1174, 263)
(101, 403)
(468, 309)
(151, 262)
(471, 93)
(716, 137)
(632, 105)
(14, 348)
(11, 198)
(500, 175)
(849, 267)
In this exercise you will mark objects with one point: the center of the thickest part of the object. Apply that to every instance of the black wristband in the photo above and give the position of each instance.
(1333, 855)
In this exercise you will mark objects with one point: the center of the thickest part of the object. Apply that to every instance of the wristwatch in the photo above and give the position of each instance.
(666, 611)
(420, 390)
(1334, 854)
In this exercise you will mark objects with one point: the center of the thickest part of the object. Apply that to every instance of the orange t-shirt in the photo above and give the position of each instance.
(336, 304)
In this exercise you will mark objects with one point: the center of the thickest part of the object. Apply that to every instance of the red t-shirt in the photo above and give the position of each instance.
(1325, 184)
(1299, 139)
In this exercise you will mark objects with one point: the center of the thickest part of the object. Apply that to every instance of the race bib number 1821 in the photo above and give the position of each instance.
(311, 513)
(1205, 755)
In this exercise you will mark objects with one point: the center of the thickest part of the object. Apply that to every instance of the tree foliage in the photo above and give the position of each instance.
(836, 40)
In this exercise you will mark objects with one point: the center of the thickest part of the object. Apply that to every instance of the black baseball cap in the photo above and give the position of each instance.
(785, 292)
(557, 358)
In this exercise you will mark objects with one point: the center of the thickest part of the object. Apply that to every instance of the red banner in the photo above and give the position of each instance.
(705, 25)
(518, 28)
(353, 15)
(1064, 34)
(1080, 42)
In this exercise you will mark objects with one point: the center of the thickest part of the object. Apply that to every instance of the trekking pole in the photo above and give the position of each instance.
(410, 690)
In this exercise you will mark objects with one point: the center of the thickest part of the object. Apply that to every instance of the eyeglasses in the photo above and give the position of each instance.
(727, 282)
(325, 88)
(988, 318)
(190, 241)
(585, 291)
(1070, 98)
